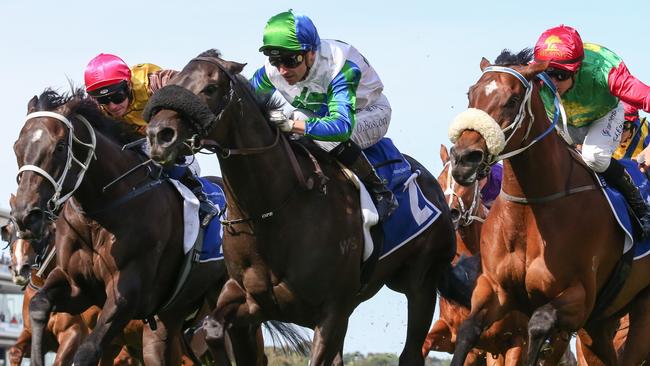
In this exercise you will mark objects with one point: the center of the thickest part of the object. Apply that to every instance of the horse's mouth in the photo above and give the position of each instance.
(19, 279)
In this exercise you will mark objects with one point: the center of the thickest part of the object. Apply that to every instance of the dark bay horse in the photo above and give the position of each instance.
(293, 250)
(550, 246)
(121, 248)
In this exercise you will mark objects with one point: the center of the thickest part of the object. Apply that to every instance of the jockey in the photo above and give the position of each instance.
(337, 93)
(636, 134)
(592, 82)
(122, 92)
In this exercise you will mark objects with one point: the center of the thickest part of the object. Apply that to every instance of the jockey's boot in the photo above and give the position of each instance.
(620, 179)
(350, 155)
(207, 210)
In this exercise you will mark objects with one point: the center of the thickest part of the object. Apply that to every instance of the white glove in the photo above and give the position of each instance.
(278, 118)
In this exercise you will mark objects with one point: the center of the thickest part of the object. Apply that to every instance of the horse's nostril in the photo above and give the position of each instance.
(166, 135)
(455, 214)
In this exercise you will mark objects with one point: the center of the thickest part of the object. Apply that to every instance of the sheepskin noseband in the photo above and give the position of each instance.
(481, 122)
(181, 100)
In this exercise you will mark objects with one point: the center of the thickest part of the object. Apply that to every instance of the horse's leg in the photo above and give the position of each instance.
(117, 311)
(540, 326)
(329, 336)
(69, 340)
(421, 305)
(20, 348)
(438, 339)
(247, 344)
(556, 350)
(56, 286)
(515, 354)
(163, 346)
(636, 348)
(231, 298)
(596, 342)
(485, 311)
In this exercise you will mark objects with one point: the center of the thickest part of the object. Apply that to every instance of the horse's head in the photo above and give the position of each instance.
(190, 106)
(23, 255)
(498, 105)
(51, 161)
(464, 201)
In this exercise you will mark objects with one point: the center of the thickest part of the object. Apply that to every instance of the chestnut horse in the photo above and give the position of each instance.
(64, 332)
(293, 249)
(505, 339)
(120, 248)
(504, 342)
(542, 252)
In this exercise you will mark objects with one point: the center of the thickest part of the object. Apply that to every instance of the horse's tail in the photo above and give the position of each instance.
(289, 337)
(457, 282)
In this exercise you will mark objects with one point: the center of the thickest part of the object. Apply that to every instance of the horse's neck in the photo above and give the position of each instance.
(109, 164)
(470, 238)
(258, 180)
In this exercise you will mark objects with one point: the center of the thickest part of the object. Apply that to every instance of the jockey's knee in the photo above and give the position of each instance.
(598, 161)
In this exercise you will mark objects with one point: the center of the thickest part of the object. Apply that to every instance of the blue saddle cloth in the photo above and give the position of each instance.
(641, 248)
(415, 212)
(213, 236)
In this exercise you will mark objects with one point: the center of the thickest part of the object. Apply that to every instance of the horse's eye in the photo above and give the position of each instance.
(60, 146)
(512, 102)
(210, 89)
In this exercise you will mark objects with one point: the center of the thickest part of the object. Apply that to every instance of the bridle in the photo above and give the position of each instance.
(57, 199)
(467, 215)
(525, 109)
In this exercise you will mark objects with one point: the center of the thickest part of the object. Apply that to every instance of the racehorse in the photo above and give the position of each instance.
(504, 342)
(293, 243)
(64, 332)
(542, 252)
(118, 247)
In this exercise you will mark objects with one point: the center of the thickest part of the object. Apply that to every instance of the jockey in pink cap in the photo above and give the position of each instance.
(593, 82)
(122, 92)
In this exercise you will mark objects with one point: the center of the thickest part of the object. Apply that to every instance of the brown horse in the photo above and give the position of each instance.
(64, 332)
(504, 341)
(293, 245)
(119, 248)
(542, 252)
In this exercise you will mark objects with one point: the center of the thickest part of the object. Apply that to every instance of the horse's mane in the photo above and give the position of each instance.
(265, 103)
(507, 58)
(78, 102)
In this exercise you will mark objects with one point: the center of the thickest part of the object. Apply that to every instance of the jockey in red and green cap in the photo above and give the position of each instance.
(593, 82)
(337, 95)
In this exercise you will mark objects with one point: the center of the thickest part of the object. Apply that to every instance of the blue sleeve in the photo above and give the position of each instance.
(261, 83)
(339, 123)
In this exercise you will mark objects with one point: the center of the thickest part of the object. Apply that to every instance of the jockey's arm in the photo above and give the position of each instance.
(628, 88)
(339, 122)
(159, 79)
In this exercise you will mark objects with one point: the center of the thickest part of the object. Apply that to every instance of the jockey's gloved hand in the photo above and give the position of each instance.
(278, 118)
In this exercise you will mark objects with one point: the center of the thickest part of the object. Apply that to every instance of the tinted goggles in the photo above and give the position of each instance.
(559, 75)
(115, 98)
(288, 61)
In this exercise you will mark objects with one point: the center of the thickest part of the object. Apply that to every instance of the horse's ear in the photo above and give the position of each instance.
(235, 67)
(444, 154)
(484, 63)
(12, 201)
(537, 67)
(31, 106)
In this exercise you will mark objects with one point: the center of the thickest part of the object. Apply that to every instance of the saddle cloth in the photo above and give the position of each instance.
(415, 212)
(620, 211)
(213, 236)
